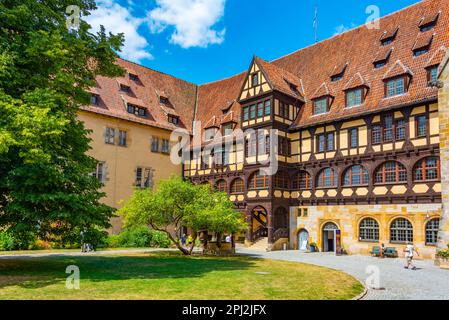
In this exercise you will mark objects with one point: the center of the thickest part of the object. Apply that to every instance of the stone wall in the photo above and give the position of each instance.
(443, 109)
(348, 217)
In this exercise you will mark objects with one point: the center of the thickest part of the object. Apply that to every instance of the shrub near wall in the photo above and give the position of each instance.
(139, 237)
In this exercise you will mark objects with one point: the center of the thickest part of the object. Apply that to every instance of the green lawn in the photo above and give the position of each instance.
(169, 276)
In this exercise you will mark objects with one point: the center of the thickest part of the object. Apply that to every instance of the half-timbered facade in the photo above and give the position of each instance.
(336, 144)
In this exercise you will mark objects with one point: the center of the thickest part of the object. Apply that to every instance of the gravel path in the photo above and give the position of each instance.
(427, 283)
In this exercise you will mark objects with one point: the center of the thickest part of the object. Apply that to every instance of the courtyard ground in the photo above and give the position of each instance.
(427, 283)
(166, 275)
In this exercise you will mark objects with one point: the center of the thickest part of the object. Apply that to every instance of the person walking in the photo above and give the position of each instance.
(189, 239)
(409, 254)
(183, 240)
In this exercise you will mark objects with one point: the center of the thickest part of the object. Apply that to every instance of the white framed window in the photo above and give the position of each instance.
(109, 137)
(100, 172)
(144, 178)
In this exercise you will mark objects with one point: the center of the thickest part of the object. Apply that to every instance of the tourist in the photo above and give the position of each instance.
(409, 253)
(383, 249)
(189, 239)
(183, 239)
(228, 238)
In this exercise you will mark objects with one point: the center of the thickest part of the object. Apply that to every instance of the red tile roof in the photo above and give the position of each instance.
(310, 70)
(147, 90)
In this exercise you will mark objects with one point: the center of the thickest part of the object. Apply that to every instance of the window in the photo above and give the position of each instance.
(337, 77)
(284, 110)
(221, 186)
(94, 100)
(154, 144)
(355, 176)
(205, 160)
(165, 146)
(260, 110)
(228, 129)
(325, 142)
(268, 107)
(388, 128)
(301, 181)
(421, 126)
(420, 51)
(173, 119)
(284, 146)
(391, 172)
(387, 41)
(125, 88)
(427, 169)
(432, 74)
(400, 129)
(133, 77)
(376, 134)
(138, 111)
(258, 181)
(354, 98)
(237, 186)
(320, 106)
(164, 100)
(252, 112)
(144, 178)
(369, 230)
(245, 113)
(209, 134)
(255, 79)
(401, 231)
(282, 180)
(395, 87)
(122, 135)
(100, 172)
(353, 137)
(109, 137)
(432, 228)
(251, 145)
(380, 64)
(327, 178)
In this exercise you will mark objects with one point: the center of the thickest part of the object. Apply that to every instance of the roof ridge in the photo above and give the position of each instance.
(350, 30)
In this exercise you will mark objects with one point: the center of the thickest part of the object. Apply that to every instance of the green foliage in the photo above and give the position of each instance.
(7, 241)
(138, 237)
(443, 254)
(177, 204)
(45, 185)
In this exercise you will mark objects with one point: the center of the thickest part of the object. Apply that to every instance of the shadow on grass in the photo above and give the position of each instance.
(35, 273)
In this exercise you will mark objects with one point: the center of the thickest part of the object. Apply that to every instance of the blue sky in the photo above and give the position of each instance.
(207, 40)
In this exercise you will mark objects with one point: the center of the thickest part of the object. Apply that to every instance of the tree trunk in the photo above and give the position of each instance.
(193, 243)
(175, 241)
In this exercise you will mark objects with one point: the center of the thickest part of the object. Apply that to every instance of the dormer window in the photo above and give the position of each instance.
(428, 23)
(228, 129)
(173, 119)
(320, 106)
(125, 88)
(354, 97)
(133, 77)
(209, 134)
(388, 37)
(136, 110)
(382, 58)
(94, 99)
(338, 73)
(422, 44)
(432, 75)
(163, 100)
(255, 80)
(395, 86)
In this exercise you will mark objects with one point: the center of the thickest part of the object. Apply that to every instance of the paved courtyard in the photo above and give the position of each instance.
(397, 283)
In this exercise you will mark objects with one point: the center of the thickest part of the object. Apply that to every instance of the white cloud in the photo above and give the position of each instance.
(192, 20)
(342, 28)
(118, 19)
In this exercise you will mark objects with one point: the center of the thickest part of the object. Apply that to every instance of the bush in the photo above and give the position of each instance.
(7, 241)
(139, 237)
(443, 254)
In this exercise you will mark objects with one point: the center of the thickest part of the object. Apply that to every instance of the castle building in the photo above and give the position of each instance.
(351, 125)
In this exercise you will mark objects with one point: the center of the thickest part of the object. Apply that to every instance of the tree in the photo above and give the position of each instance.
(178, 203)
(46, 187)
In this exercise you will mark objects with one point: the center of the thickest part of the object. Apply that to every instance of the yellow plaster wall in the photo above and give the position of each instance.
(121, 162)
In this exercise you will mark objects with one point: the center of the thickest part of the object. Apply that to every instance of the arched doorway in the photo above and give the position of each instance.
(330, 237)
(259, 220)
(303, 240)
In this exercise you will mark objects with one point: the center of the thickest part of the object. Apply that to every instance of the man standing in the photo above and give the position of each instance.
(409, 253)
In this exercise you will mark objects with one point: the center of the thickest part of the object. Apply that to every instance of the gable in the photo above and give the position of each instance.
(253, 88)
